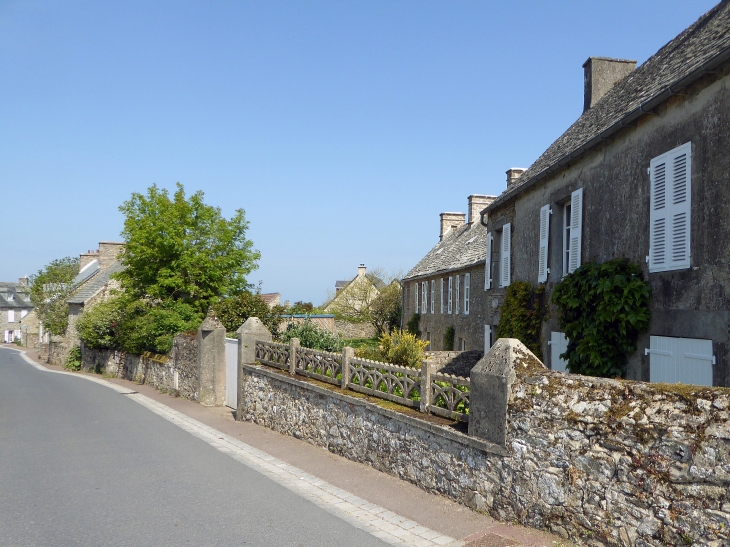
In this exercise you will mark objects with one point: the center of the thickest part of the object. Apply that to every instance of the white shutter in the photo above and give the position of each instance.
(443, 296)
(11, 316)
(415, 295)
(488, 263)
(467, 290)
(424, 297)
(456, 300)
(23, 313)
(576, 228)
(487, 338)
(433, 296)
(504, 259)
(558, 346)
(684, 360)
(451, 284)
(670, 208)
(542, 266)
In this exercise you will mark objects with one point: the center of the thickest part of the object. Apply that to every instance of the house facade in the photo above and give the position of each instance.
(446, 288)
(351, 296)
(15, 306)
(643, 174)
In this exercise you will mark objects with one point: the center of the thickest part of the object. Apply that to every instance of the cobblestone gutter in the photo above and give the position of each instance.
(602, 461)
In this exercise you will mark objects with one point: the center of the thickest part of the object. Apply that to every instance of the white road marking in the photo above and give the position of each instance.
(369, 517)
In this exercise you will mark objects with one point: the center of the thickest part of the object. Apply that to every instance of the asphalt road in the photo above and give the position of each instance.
(81, 464)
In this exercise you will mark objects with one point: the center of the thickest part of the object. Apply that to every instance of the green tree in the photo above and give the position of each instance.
(234, 310)
(385, 310)
(49, 289)
(180, 249)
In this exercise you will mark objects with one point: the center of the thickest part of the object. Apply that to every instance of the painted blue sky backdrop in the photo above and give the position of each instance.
(342, 128)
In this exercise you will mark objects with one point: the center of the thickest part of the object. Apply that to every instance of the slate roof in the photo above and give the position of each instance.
(21, 296)
(462, 247)
(700, 48)
(94, 284)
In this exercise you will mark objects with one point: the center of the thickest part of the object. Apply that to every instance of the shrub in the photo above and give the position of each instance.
(234, 311)
(313, 336)
(152, 327)
(402, 348)
(412, 325)
(522, 315)
(602, 308)
(449, 336)
(73, 361)
(97, 326)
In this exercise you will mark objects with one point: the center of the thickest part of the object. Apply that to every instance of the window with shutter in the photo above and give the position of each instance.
(443, 296)
(458, 281)
(424, 299)
(467, 289)
(504, 258)
(576, 229)
(451, 284)
(415, 296)
(669, 210)
(542, 266)
(488, 263)
(11, 316)
(433, 295)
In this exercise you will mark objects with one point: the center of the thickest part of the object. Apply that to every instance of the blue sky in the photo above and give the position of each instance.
(342, 128)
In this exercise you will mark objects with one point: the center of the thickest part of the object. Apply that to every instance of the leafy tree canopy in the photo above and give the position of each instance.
(234, 310)
(49, 289)
(180, 249)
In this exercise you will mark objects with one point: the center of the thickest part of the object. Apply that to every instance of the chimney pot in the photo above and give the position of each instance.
(600, 74)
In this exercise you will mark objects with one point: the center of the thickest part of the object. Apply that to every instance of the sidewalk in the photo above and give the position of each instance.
(402, 498)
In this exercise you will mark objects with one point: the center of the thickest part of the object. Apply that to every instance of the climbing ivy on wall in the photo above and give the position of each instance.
(602, 308)
(449, 336)
(522, 315)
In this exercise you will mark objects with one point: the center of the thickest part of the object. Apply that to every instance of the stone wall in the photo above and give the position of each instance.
(610, 462)
(354, 330)
(177, 372)
(325, 321)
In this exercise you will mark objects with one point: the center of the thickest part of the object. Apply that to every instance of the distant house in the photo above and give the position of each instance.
(272, 299)
(446, 287)
(15, 305)
(643, 174)
(351, 296)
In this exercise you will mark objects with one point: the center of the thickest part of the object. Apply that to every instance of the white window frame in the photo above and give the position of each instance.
(451, 286)
(543, 258)
(488, 262)
(670, 210)
(433, 296)
(456, 295)
(415, 295)
(467, 290)
(11, 316)
(443, 296)
(424, 297)
(505, 256)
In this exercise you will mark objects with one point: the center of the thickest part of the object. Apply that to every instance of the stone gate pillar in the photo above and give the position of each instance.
(248, 333)
(212, 362)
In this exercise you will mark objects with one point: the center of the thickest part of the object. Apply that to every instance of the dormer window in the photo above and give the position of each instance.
(11, 297)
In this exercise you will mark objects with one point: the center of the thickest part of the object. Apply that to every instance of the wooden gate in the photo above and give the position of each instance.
(231, 372)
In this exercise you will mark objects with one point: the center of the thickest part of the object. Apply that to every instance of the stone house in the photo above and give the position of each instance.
(15, 305)
(643, 174)
(351, 296)
(446, 286)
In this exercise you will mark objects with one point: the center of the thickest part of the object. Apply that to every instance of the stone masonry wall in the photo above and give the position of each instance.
(159, 371)
(354, 330)
(607, 462)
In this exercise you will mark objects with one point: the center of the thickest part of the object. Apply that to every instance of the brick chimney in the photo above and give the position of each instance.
(477, 203)
(513, 174)
(599, 76)
(450, 221)
(86, 258)
(108, 253)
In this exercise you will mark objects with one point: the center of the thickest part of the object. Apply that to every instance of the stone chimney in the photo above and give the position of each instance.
(23, 281)
(450, 221)
(86, 258)
(599, 76)
(513, 174)
(108, 253)
(477, 203)
(361, 269)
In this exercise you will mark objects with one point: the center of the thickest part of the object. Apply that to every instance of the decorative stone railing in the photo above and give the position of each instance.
(273, 354)
(321, 365)
(392, 382)
(449, 396)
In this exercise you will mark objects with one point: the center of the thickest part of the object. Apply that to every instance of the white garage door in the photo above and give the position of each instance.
(683, 360)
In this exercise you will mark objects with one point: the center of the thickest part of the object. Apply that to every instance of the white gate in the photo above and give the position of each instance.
(231, 372)
(685, 360)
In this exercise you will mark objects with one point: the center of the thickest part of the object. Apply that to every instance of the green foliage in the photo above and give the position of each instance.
(73, 361)
(303, 308)
(234, 310)
(312, 336)
(449, 336)
(602, 308)
(135, 325)
(49, 289)
(386, 308)
(412, 325)
(523, 312)
(402, 348)
(183, 250)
